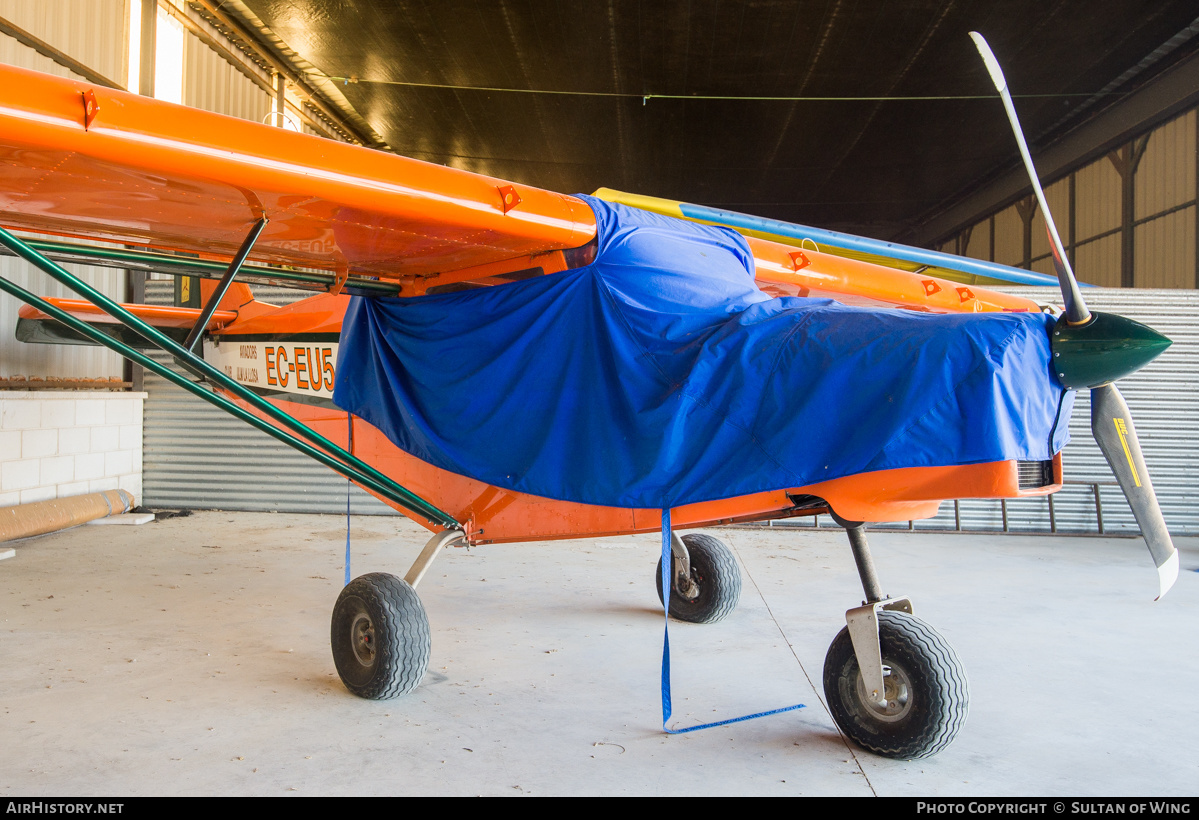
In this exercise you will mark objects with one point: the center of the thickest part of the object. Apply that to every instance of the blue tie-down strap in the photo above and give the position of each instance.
(349, 486)
(667, 583)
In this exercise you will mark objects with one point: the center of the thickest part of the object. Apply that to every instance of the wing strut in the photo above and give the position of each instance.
(308, 441)
(197, 331)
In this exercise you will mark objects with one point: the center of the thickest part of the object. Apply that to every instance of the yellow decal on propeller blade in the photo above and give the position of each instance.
(1122, 431)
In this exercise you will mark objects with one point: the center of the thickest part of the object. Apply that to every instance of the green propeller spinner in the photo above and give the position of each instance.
(1106, 348)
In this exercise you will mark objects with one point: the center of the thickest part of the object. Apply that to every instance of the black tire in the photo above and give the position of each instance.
(931, 696)
(715, 573)
(380, 637)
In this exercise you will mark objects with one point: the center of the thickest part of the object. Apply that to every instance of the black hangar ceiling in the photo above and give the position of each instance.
(665, 97)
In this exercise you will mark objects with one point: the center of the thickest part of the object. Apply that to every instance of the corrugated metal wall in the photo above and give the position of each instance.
(979, 246)
(1097, 212)
(211, 83)
(195, 456)
(1164, 196)
(26, 361)
(1100, 260)
(1009, 237)
(1166, 174)
(93, 32)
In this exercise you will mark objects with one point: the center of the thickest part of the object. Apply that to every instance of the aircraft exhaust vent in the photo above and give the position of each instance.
(1033, 474)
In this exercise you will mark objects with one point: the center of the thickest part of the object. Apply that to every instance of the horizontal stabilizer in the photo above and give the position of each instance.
(36, 327)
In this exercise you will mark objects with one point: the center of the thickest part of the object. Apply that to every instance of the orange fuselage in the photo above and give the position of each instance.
(289, 355)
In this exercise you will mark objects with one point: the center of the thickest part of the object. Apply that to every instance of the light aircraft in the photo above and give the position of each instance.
(155, 186)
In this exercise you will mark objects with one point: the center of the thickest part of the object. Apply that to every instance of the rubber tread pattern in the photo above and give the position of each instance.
(714, 570)
(938, 681)
(403, 643)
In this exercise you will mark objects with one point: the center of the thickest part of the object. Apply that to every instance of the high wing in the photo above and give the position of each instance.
(136, 170)
(90, 162)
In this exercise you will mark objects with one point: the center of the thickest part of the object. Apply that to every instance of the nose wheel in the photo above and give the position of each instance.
(925, 694)
(894, 686)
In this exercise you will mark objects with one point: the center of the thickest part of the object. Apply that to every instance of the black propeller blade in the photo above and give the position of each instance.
(1117, 438)
(1093, 350)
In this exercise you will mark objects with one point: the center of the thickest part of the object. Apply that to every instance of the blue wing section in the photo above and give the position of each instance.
(660, 375)
(878, 247)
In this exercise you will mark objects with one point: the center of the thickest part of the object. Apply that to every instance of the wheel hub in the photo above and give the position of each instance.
(362, 639)
(686, 586)
(897, 689)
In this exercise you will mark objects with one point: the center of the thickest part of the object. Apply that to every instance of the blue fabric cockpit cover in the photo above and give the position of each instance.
(660, 375)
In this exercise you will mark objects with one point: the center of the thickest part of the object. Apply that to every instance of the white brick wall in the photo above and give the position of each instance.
(55, 444)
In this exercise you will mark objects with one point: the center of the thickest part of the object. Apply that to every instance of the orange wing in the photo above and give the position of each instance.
(147, 172)
(85, 161)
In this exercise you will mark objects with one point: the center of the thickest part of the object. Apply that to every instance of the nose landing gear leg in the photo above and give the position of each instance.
(894, 685)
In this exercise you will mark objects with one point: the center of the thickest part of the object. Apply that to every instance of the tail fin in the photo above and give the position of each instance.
(238, 295)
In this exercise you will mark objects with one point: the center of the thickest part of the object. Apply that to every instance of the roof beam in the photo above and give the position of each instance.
(1169, 94)
(46, 50)
(301, 85)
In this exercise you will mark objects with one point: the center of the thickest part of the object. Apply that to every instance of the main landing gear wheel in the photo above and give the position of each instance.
(380, 637)
(925, 686)
(715, 579)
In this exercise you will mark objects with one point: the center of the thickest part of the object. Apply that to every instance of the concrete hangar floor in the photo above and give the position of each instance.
(191, 657)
